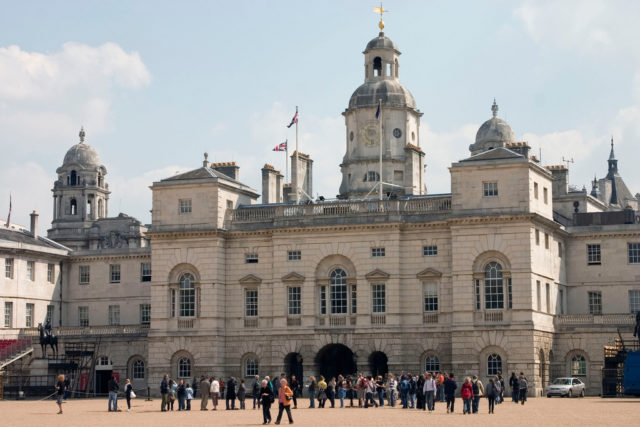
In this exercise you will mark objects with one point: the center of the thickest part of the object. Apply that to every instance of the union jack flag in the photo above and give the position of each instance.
(295, 119)
(281, 147)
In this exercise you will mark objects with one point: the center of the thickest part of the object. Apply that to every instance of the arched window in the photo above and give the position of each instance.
(184, 367)
(432, 364)
(100, 209)
(338, 291)
(493, 289)
(494, 364)
(187, 296)
(251, 367)
(138, 370)
(578, 365)
(377, 66)
(74, 207)
(74, 178)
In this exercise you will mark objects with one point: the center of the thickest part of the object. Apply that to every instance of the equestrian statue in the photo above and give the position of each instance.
(47, 338)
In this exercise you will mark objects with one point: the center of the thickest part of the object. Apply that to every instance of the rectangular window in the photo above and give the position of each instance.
(547, 295)
(431, 297)
(593, 254)
(28, 320)
(560, 308)
(377, 252)
(478, 304)
(145, 272)
(251, 303)
(114, 273)
(493, 293)
(145, 314)
(294, 301)
(546, 240)
(8, 268)
(634, 252)
(378, 298)
(172, 303)
(559, 249)
(31, 270)
(51, 270)
(545, 194)
(229, 204)
(430, 250)
(538, 303)
(338, 298)
(510, 293)
(537, 237)
(8, 314)
(595, 302)
(354, 299)
(323, 300)
(294, 255)
(83, 316)
(490, 189)
(114, 315)
(185, 206)
(85, 274)
(634, 301)
(535, 190)
(49, 317)
(251, 258)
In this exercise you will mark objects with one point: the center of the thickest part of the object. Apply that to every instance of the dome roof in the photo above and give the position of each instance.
(495, 130)
(391, 92)
(83, 155)
(380, 42)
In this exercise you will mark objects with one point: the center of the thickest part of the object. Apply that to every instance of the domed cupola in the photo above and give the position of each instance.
(390, 134)
(493, 133)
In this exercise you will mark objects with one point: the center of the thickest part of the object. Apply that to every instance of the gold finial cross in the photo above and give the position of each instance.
(380, 10)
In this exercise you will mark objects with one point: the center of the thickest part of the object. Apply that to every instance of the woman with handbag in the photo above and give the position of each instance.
(128, 393)
(285, 395)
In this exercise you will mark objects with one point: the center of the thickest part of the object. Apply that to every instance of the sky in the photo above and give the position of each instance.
(158, 83)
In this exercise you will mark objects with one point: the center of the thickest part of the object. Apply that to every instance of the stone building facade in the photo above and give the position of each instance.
(512, 271)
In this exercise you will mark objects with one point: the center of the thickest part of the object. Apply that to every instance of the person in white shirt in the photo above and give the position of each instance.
(215, 392)
(429, 390)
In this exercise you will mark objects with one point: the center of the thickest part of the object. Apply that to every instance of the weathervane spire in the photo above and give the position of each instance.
(380, 10)
(494, 108)
(82, 134)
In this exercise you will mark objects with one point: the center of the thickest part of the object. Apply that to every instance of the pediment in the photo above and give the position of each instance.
(377, 274)
(250, 279)
(429, 273)
(293, 277)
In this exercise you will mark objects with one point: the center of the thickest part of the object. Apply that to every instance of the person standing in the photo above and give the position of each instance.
(295, 387)
(312, 391)
(429, 390)
(500, 397)
(231, 393)
(450, 387)
(266, 397)
(322, 392)
(392, 385)
(478, 392)
(173, 387)
(214, 392)
(128, 388)
(242, 392)
(195, 387)
(113, 393)
(491, 393)
(380, 390)
(255, 391)
(285, 395)
(205, 385)
(331, 392)
(440, 386)
(370, 391)
(515, 388)
(467, 396)
(164, 393)
(60, 389)
(522, 388)
(190, 392)
(181, 392)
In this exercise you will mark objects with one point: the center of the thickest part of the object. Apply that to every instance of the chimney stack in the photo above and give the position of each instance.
(34, 224)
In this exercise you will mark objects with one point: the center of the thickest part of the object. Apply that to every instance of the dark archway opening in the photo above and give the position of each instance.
(293, 366)
(336, 359)
(378, 363)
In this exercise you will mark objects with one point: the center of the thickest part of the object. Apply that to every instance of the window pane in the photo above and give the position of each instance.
(8, 314)
(114, 315)
(490, 189)
(578, 365)
(138, 370)
(378, 298)
(431, 297)
(251, 367)
(145, 272)
(493, 291)
(595, 302)
(294, 255)
(634, 253)
(338, 292)
(145, 314)
(187, 296)
(593, 254)
(184, 368)
(294, 300)
(634, 301)
(8, 268)
(251, 303)
(83, 316)
(430, 250)
(432, 364)
(114, 273)
(494, 364)
(377, 252)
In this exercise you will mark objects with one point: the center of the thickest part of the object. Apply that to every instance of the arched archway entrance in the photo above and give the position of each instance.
(378, 363)
(335, 359)
(293, 366)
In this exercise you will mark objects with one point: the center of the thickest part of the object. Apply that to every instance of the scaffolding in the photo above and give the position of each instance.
(613, 369)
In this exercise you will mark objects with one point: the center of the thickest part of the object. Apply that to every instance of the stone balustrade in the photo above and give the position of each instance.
(614, 319)
(80, 331)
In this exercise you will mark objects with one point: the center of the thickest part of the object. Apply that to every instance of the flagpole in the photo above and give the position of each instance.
(286, 160)
(380, 138)
(297, 164)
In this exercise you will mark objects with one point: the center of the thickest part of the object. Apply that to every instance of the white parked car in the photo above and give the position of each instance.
(568, 387)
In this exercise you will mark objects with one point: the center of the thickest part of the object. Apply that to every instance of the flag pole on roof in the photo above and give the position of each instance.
(284, 146)
(9, 216)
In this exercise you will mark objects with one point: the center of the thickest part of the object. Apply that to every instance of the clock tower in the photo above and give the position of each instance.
(396, 128)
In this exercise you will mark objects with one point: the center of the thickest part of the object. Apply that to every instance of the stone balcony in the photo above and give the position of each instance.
(573, 321)
(91, 331)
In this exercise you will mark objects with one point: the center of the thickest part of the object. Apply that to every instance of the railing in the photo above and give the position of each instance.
(595, 319)
(493, 316)
(9, 348)
(341, 208)
(186, 323)
(378, 319)
(79, 331)
(251, 322)
(430, 318)
(336, 321)
(294, 321)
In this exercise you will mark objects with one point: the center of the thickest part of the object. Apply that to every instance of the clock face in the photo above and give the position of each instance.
(397, 133)
(369, 134)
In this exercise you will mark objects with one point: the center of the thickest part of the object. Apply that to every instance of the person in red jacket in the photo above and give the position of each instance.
(467, 395)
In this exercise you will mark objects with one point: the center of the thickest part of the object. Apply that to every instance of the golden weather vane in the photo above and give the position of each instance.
(380, 10)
